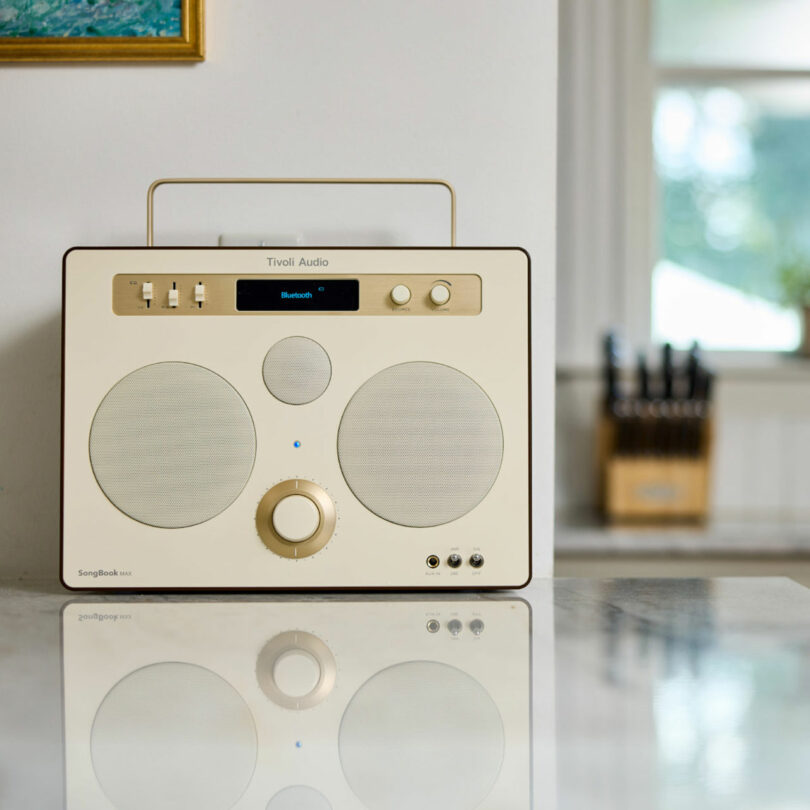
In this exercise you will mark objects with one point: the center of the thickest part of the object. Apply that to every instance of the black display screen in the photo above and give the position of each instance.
(304, 294)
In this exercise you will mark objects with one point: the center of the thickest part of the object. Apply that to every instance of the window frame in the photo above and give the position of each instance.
(641, 181)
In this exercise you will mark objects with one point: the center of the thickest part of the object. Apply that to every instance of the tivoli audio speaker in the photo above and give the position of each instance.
(338, 705)
(255, 418)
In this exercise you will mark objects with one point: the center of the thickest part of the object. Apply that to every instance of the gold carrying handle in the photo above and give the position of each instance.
(334, 181)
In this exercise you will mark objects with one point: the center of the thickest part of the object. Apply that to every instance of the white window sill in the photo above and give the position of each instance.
(765, 366)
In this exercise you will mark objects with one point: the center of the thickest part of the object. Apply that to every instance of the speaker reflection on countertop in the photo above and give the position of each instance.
(298, 705)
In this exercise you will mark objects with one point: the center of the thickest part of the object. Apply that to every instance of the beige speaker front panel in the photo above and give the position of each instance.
(228, 648)
(105, 548)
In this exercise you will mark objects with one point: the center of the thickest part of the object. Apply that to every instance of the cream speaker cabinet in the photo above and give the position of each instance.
(309, 418)
(299, 705)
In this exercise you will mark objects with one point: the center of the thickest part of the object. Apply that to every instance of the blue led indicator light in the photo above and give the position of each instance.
(299, 744)
(296, 444)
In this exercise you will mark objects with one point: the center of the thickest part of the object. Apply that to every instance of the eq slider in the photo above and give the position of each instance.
(146, 292)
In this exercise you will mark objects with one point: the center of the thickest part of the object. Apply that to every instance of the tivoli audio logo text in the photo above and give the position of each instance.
(272, 261)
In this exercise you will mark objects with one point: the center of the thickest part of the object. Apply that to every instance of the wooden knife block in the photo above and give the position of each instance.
(653, 488)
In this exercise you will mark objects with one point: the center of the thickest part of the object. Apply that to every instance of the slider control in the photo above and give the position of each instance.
(174, 298)
(199, 293)
(146, 291)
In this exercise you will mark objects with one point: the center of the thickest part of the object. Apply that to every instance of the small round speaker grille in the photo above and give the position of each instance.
(297, 370)
(172, 445)
(420, 444)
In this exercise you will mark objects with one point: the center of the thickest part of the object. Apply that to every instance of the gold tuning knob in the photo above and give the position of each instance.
(295, 518)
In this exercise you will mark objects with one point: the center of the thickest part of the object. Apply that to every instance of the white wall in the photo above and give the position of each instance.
(460, 89)
(605, 204)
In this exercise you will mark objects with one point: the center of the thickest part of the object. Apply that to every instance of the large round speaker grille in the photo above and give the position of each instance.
(173, 735)
(421, 734)
(172, 445)
(297, 370)
(420, 444)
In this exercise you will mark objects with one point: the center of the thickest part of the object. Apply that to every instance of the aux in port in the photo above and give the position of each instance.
(432, 561)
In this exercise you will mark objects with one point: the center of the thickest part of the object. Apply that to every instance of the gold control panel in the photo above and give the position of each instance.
(400, 295)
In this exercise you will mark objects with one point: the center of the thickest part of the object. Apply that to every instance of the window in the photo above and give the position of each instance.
(766, 34)
(731, 137)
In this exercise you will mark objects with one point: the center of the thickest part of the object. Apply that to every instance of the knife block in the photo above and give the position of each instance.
(653, 485)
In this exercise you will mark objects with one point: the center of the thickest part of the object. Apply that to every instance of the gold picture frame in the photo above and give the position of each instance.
(188, 47)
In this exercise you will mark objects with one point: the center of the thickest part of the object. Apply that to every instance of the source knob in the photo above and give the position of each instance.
(439, 295)
(296, 518)
(400, 295)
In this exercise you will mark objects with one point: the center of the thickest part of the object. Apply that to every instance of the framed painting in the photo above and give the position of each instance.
(101, 30)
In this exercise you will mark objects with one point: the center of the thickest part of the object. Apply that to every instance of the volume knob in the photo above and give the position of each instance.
(296, 670)
(439, 295)
(296, 518)
(296, 673)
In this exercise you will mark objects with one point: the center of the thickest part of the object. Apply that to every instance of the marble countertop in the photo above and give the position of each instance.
(571, 694)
